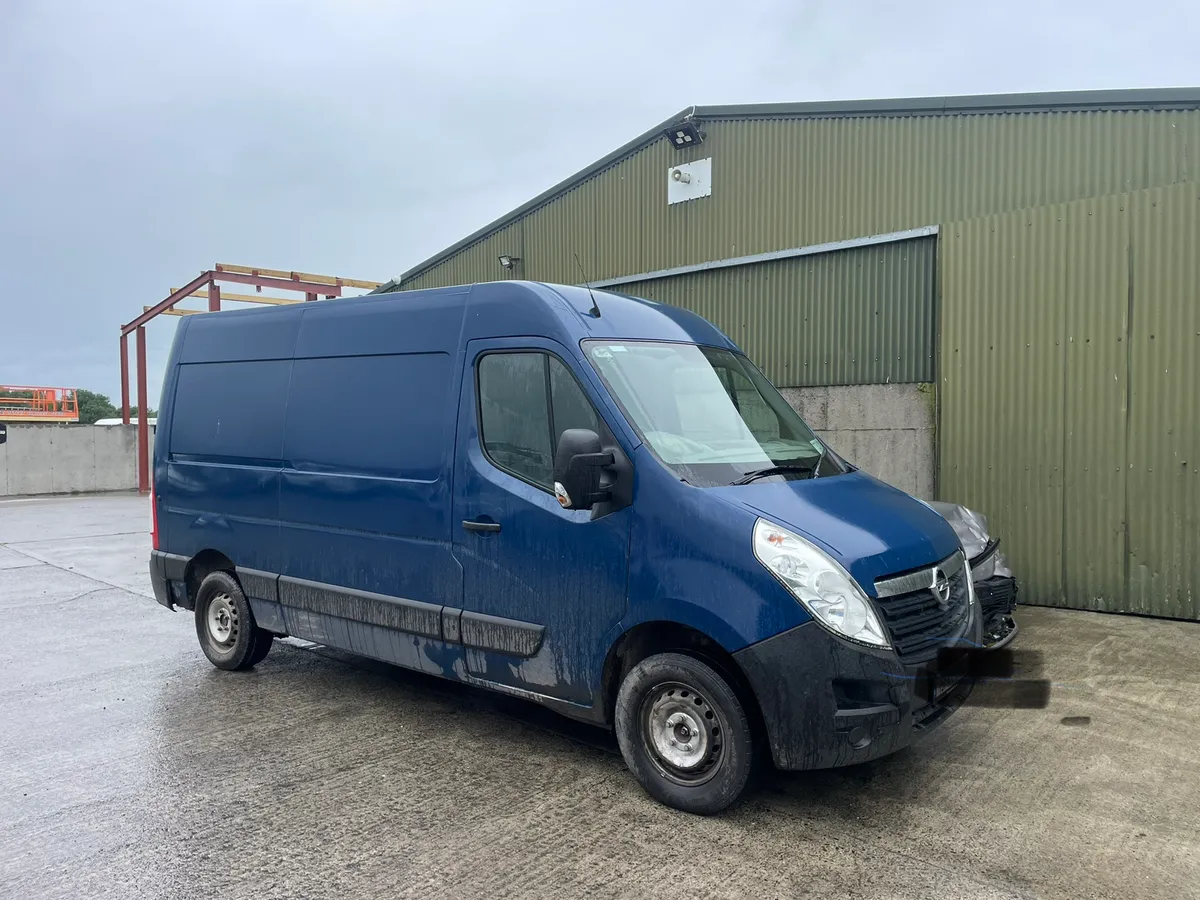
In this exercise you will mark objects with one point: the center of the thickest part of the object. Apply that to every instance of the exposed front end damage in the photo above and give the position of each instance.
(826, 703)
(995, 585)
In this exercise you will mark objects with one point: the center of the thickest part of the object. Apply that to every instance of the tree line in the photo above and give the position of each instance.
(93, 407)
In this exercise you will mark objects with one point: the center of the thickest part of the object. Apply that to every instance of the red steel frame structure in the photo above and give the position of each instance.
(206, 286)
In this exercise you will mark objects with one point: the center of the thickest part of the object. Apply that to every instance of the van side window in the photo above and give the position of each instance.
(514, 413)
(526, 401)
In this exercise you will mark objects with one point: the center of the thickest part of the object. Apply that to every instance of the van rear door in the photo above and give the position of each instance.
(544, 588)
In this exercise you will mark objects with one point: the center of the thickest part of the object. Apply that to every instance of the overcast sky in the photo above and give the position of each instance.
(142, 141)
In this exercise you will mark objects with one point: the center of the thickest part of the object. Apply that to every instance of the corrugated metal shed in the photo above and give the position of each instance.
(1070, 392)
(1060, 316)
(857, 316)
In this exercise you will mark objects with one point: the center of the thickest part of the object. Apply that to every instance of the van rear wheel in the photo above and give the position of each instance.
(225, 624)
(684, 733)
(262, 646)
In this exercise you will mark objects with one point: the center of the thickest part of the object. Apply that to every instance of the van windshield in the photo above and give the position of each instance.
(708, 414)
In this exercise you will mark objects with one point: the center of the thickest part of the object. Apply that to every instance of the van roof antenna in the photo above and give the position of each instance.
(595, 310)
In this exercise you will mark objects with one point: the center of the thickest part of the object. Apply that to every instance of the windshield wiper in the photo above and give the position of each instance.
(772, 470)
(820, 459)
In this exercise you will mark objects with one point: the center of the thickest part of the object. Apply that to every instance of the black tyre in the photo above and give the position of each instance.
(684, 733)
(263, 641)
(225, 624)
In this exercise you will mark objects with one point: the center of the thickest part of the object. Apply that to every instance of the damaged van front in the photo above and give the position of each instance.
(851, 587)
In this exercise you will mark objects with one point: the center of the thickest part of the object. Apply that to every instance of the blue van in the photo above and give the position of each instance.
(589, 500)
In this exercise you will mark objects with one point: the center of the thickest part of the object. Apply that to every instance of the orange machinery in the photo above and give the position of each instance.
(21, 403)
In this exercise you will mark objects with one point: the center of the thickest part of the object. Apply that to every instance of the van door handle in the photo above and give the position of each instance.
(476, 525)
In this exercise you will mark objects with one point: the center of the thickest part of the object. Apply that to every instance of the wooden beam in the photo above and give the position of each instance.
(178, 312)
(328, 288)
(299, 276)
(250, 298)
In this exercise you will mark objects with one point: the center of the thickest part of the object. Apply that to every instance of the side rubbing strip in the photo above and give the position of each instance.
(362, 606)
(450, 624)
(505, 635)
(260, 585)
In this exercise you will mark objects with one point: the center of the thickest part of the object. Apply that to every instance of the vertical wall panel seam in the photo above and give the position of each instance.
(1127, 557)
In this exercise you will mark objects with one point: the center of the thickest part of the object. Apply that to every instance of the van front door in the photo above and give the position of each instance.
(543, 587)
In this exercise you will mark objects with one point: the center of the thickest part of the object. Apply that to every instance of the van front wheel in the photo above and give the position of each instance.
(225, 624)
(684, 733)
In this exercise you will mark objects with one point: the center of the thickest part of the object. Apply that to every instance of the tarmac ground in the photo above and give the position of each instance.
(130, 767)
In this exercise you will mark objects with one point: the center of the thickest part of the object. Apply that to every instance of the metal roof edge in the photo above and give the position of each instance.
(1049, 101)
(1053, 101)
(810, 250)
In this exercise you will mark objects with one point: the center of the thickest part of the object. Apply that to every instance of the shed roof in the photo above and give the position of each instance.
(1057, 101)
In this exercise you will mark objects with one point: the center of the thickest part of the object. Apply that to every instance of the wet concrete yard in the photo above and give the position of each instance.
(130, 767)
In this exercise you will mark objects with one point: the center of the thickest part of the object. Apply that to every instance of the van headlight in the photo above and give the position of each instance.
(815, 579)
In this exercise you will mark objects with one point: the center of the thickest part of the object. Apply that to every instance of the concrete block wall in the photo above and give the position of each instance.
(67, 459)
(884, 429)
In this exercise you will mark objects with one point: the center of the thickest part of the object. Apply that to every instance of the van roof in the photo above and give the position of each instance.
(437, 319)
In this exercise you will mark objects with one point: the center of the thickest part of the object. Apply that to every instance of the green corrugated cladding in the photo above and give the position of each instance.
(792, 182)
(1163, 457)
(1070, 392)
(859, 316)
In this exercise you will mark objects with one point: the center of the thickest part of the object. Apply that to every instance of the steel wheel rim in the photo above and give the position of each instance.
(682, 733)
(222, 621)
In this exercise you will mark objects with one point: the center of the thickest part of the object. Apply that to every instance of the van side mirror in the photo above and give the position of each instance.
(578, 462)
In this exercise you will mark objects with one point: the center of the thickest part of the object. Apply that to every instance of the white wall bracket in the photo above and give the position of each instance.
(689, 181)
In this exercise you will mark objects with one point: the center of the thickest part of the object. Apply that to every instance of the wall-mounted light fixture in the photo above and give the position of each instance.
(508, 261)
(685, 134)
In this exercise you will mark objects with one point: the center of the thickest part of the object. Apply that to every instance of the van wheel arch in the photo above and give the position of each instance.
(199, 567)
(650, 638)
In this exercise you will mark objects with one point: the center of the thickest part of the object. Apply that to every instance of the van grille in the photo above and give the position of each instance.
(917, 621)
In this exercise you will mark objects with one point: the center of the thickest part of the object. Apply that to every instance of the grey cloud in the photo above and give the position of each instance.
(144, 141)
